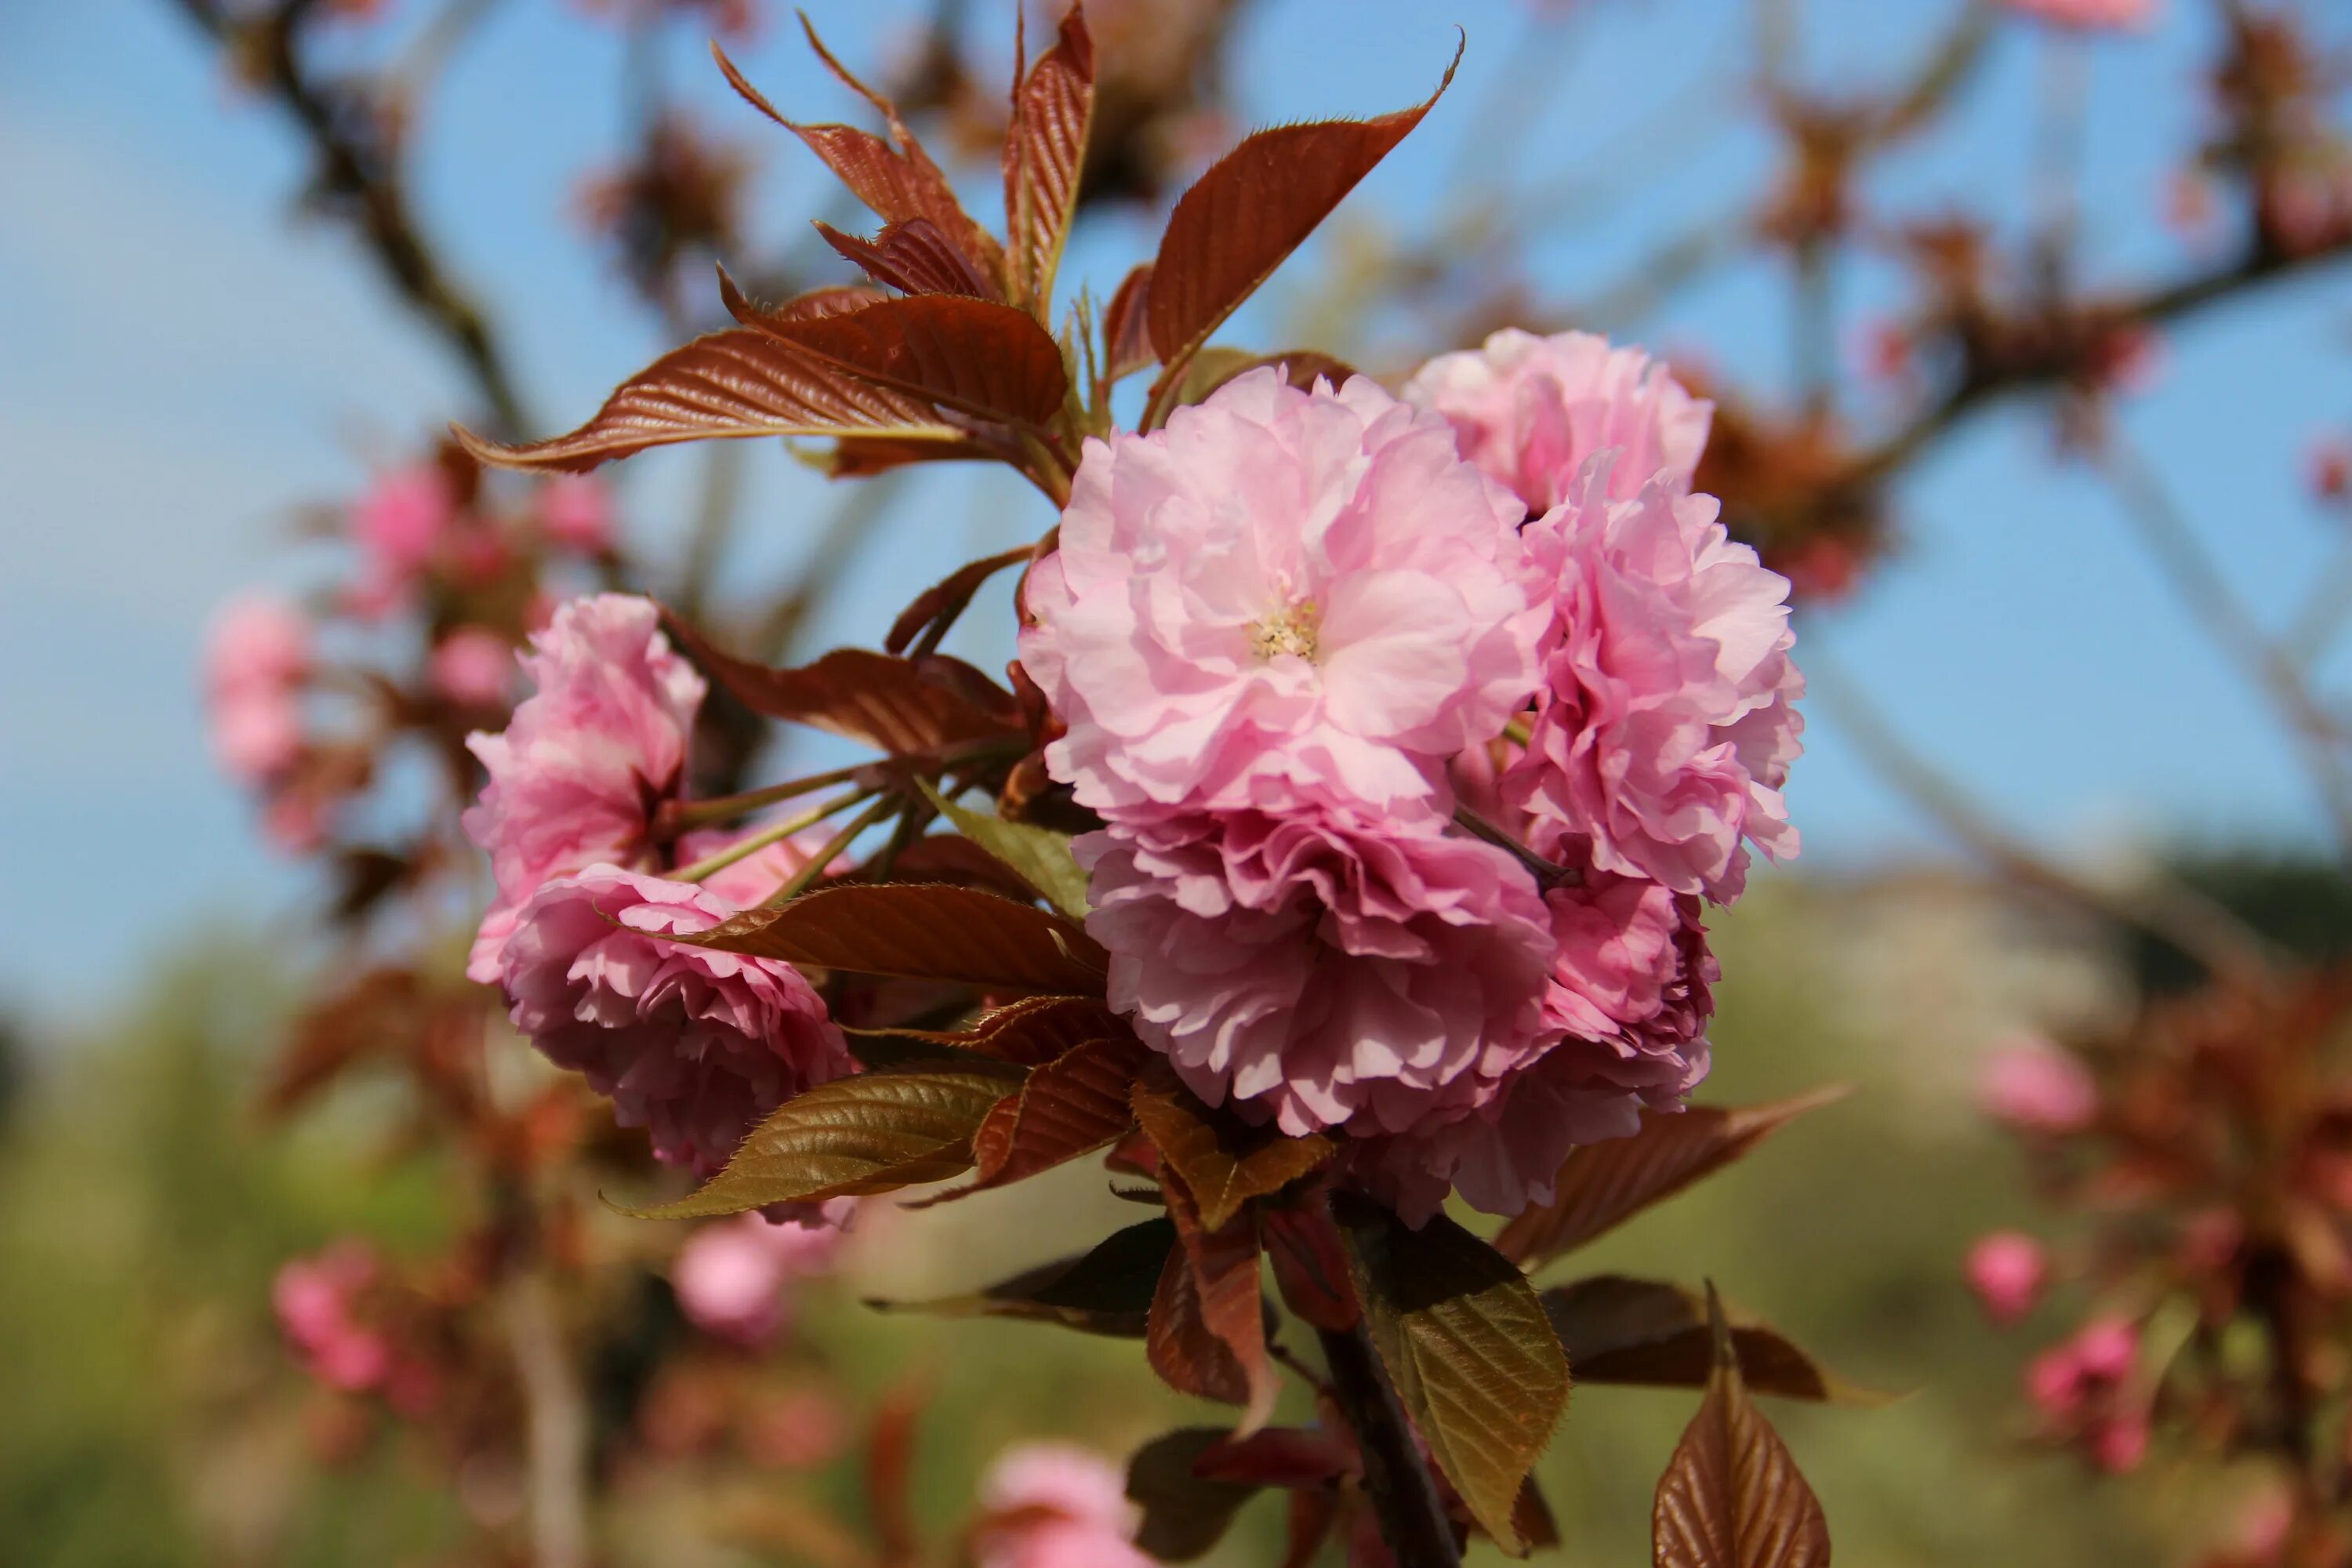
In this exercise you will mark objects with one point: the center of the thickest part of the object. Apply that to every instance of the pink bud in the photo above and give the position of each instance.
(2054, 1381)
(472, 666)
(577, 512)
(2120, 1445)
(2006, 1269)
(2031, 1083)
(2105, 1349)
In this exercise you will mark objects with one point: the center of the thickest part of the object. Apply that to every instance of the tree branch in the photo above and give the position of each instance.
(1405, 1495)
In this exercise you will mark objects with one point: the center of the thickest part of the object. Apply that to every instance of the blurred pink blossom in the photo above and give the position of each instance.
(732, 1277)
(692, 1044)
(472, 666)
(314, 1299)
(1283, 597)
(2007, 1270)
(1049, 1505)
(576, 511)
(1529, 411)
(2032, 1083)
(257, 656)
(575, 773)
(399, 525)
(2088, 15)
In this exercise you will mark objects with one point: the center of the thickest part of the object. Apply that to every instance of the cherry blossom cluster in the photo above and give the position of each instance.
(1421, 728)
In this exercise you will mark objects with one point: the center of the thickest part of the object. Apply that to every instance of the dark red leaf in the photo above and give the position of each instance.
(1221, 1159)
(1654, 1334)
(1601, 1185)
(1183, 1514)
(1044, 148)
(1208, 1321)
(897, 182)
(1252, 209)
(861, 457)
(1310, 1266)
(913, 258)
(1071, 1106)
(894, 705)
(1284, 1456)
(989, 361)
(920, 932)
(947, 596)
(1127, 336)
(745, 382)
(834, 300)
(952, 857)
(1106, 1291)
(1732, 1496)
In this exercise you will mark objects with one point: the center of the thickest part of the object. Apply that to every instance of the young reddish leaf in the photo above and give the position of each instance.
(1732, 1496)
(1183, 1514)
(1044, 148)
(833, 301)
(862, 457)
(1223, 1161)
(1252, 209)
(897, 182)
(1107, 1290)
(894, 705)
(1208, 1320)
(947, 596)
(1312, 1515)
(1071, 1106)
(1300, 367)
(989, 361)
(741, 383)
(1040, 856)
(1126, 334)
(1031, 1032)
(873, 1133)
(913, 258)
(1310, 1267)
(1531, 1516)
(920, 932)
(1284, 1457)
(1601, 1185)
(1655, 1334)
(1464, 1341)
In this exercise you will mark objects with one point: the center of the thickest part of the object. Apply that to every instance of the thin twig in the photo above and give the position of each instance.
(555, 1412)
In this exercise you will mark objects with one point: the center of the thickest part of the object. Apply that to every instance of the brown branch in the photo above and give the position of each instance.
(1405, 1495)
(358, 168)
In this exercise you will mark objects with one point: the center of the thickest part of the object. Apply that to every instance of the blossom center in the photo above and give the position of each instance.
(1289, 630)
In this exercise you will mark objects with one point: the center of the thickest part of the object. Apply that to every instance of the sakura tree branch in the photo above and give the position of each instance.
(2157, 519)
(2165, 908)
(357, 167)
(1404, 1494)
(555, 1413)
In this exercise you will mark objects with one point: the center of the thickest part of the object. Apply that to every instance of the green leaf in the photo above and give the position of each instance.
(1039, 856)
(1466, 1343)
(1601, 1185)
(1654, 1334)
(1732, 1496)
(1107, 1290)
(871, 1133)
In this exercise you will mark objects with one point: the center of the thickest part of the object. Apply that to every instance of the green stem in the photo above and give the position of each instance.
(677, 815)
(1518, 735)
(751, 844)
(1548, 875)
(807, 874)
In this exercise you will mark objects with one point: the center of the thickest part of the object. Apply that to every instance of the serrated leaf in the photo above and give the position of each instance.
(1127, 336)
(1652, 1333)
(1732, 1496)
(745, 382)
(1183, 1515)
(1032, 1032)
(1207, 1335)
(1223, 1161)
(1071, 1106)
(832, 301)
(896, 179)
(1040, 856)
(1106, 1291)
(1045, 149)
(1469, 1348)
(947, 596)
(904, 707)
(920, 932)
(983, 359)
(1252, 209)
(912, 257)
(1601, 1185)
(873, 1133)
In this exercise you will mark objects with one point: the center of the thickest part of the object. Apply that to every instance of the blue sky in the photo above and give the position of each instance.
(181, 366)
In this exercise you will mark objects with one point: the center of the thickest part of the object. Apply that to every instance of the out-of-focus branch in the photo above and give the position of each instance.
(556, 1414)
(358, 168)
(2159, 523)
(2165, 907)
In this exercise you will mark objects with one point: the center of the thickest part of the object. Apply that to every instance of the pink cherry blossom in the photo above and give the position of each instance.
(1049, 1505)
(399, 525)
(1529, 411)
(2033, 1084)
(315, 1300)
(2007, 1270)
(1318, 968)
(2054, 1381)
(2105, 1349)
(694, 1045)
(1667, 719)
(2089, 15)
(732, 1277)
(577, 771)
(472, 666)
(257, 656)
(1626, 1015)
(576, 511)
(2120, 1443)
(1282, 596)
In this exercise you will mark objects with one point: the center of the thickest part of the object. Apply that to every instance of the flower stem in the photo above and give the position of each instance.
(751, 844)
(840, 841)
(677, 815)
(1405, 1495)
(1518, 735)
(1548, 875)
